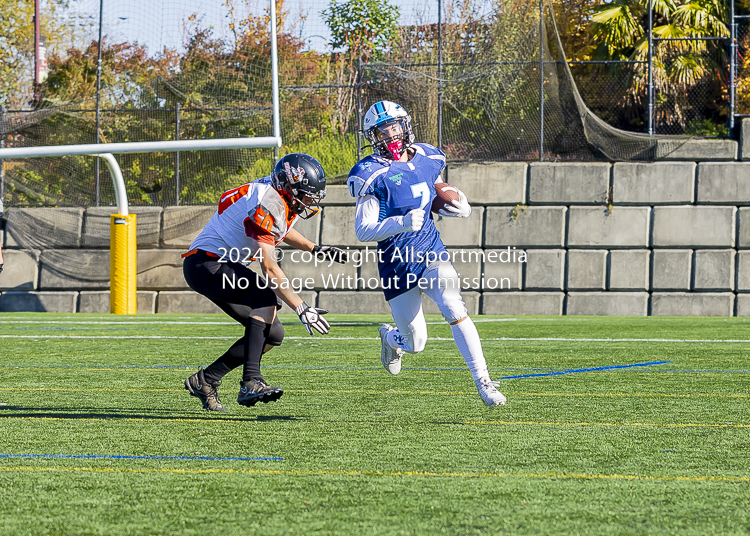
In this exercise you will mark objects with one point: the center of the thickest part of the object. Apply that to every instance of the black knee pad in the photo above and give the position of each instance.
(276, 334)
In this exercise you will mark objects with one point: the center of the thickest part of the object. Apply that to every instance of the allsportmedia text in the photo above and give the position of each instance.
(358, 257)
(342, 282)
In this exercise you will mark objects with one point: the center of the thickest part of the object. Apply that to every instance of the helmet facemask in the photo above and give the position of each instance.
(302, 209)
(392, 138)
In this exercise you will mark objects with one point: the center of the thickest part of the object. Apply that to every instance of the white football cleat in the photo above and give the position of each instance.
(489, 393)
(390, 357)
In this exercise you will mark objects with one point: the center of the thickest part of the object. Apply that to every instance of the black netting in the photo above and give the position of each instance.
(197, 71)
(690, 88)
(742, 76)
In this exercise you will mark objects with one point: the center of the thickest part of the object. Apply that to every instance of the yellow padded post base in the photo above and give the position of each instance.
(122, 265)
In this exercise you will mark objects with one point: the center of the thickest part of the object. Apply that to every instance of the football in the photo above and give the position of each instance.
(445, 194)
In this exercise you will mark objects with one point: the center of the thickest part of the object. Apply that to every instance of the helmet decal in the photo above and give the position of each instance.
(295, 174)
(301, 180)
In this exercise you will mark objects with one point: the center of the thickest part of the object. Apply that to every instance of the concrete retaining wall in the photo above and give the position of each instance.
(668, 238)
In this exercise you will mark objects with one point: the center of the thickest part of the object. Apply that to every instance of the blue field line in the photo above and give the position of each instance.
(120, 457)
(704, 370)
(594, 369)
(547, 371)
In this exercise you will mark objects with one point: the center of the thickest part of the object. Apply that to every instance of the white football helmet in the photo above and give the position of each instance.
(388, 128)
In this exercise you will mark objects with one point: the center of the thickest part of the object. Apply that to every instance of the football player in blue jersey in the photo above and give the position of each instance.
(394, 189)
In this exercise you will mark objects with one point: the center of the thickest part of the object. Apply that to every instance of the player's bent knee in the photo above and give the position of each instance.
(415, 342)
(454, 312)
(276, 333)
(419, 344)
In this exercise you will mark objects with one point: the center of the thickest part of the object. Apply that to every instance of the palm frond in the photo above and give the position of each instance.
(618, 25)
(687, 69)
(704, 15)
(669, 31)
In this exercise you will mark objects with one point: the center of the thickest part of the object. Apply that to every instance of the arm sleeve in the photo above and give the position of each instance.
(367, 226)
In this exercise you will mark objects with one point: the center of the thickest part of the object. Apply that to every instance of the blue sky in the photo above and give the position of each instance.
(159, 23)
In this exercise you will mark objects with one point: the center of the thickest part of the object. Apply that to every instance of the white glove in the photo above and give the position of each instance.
(460, 208)
(413, 220)
(312, 318)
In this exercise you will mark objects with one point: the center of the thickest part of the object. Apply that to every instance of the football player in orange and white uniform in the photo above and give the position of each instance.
(250, 222)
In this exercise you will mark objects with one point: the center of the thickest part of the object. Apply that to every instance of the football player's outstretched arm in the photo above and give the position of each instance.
(295, 239)
(369, 229)
(276, 277)
(310, 317)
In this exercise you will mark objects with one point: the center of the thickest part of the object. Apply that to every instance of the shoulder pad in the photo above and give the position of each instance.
(430, 151)
(363, 174)
(355, 184)
(270, 214)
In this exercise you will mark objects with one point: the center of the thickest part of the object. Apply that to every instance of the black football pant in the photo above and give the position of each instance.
(215, 280)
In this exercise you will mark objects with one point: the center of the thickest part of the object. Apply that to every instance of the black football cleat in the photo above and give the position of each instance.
(206, 392)
(255, 391)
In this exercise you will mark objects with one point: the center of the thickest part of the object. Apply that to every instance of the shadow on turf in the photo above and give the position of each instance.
(10, 412)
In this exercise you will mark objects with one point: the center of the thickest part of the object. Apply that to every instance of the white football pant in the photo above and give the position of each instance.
(441, 284)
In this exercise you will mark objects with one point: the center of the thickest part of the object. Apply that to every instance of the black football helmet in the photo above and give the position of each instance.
(297, 176)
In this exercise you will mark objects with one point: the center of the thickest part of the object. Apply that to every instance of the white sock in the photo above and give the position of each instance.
(470, 345)
(390, 339)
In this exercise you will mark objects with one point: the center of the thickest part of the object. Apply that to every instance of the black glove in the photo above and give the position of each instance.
(1, 268)
(312, 318)
(335, 254)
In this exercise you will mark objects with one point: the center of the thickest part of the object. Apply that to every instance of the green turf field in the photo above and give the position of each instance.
(99, 436)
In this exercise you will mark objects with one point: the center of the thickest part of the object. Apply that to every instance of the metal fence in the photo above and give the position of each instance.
(708, 108)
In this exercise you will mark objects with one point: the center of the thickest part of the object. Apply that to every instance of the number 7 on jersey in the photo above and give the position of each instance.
(421, 190)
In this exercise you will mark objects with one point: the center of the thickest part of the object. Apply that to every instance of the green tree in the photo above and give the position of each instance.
(128, 79)
(620, 33)
(17, 45)
(360, 29)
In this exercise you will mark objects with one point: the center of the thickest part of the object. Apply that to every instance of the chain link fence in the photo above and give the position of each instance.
(492, 84)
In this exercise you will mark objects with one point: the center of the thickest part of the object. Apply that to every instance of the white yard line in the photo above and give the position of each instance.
(91, 337)
(202, 323)
(478, 320)
(326, 338)
(143, 322)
